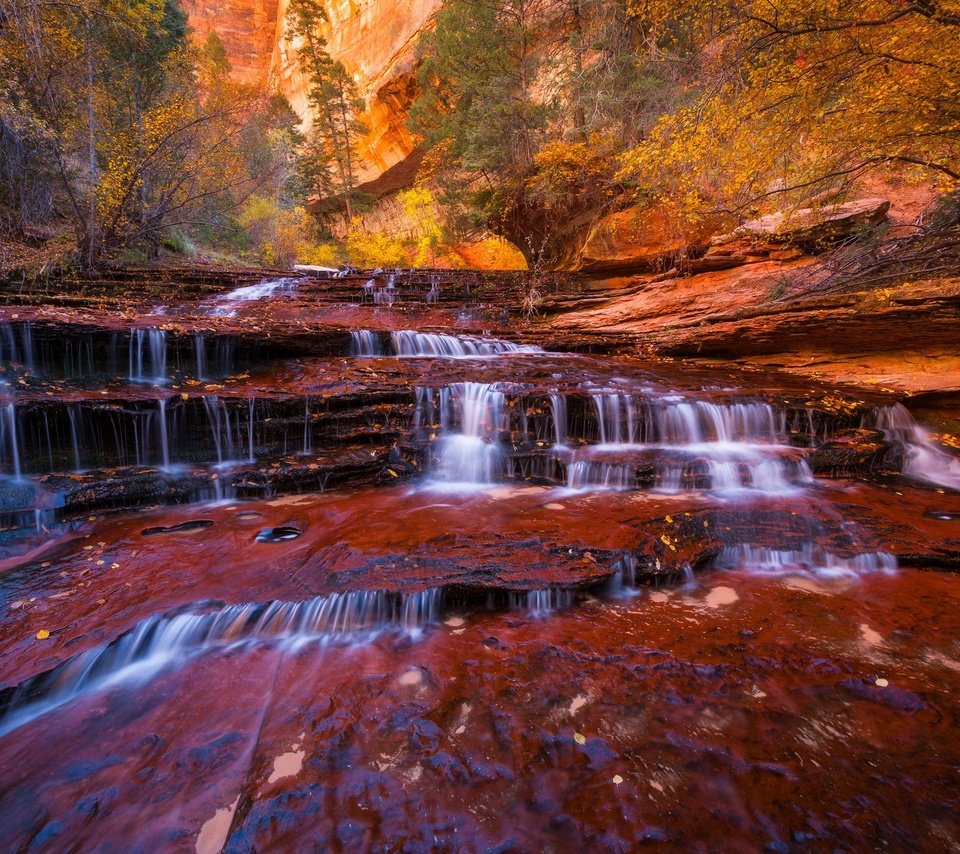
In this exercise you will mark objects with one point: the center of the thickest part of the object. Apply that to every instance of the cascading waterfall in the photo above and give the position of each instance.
(10, 429)
(558, 412)
(200, 356)
(408, 342)
(225, 305)
(159, 641)
(808, 558)
(923, 459)
(363, 342)
(148, 347)
(723, 447)
(472, 454)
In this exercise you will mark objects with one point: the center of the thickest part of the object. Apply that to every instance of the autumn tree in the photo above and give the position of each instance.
(798, 97)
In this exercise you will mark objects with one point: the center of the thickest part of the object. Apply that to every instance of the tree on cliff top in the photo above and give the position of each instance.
(799, 96)
(329, 160)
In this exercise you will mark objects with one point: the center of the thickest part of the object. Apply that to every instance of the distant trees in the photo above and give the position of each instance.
(509, 88)
(543, 111)
(109, 120)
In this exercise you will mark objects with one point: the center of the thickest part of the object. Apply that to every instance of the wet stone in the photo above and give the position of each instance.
(183, 528)
(280, 534)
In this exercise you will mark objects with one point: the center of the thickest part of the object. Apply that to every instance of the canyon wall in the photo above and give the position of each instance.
(247, 28)
(374, 39)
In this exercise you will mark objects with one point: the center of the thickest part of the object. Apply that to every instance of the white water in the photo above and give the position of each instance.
(809, 558)
(472, 417)
(408, 343)
(923, 459)
(725, 448)
(148, 356)
(9, 430)
(356, 616)
(226, 305)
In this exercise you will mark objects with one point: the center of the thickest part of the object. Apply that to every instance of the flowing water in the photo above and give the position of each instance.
(362, 584)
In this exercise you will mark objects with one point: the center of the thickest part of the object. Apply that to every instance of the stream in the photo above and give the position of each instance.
(294, 565)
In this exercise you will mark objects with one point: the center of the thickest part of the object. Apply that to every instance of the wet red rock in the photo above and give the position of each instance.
(366, 643)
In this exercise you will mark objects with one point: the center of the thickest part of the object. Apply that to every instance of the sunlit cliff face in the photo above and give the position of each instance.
(375, 40)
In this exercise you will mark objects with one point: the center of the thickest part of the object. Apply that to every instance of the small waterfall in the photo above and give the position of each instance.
(924, 460)
(10, 352)
(29, 360)
(583, 474)
(623, 419)
(624, 580)
(10, 428)
(251, 405)
(157, 642)
(700, 445)
(433, 295)
(543, 602)
(307, 433)
(808, 558)
(558, 411)
(474, 455)
(225, 305)
(148, 347)
(363, 342)
(200, 357)
(75, 416)
(410, 343)
(164, 438)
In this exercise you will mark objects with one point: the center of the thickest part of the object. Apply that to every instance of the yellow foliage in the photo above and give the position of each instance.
(418, 203)
(804, 94)
(369, 249)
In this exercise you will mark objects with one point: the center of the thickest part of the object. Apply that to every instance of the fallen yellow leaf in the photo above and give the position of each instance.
(43, 634)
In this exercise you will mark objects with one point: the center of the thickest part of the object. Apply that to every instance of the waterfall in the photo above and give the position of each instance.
(200, 356)
(558, 411)
(474, 454)
(164, 439)
(250, 411)
(624, 580)
(923, 459)
(724, 447)
(10, 423)
(225, 305)
(159, 641)
(307, 435)
(622, 419)
(74, 414)
(148, 344)
(808, 558)
(363, 342)
(409, 342)
(543, 602)
(582, 474)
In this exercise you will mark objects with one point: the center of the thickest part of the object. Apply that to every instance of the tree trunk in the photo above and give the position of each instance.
(92, 246)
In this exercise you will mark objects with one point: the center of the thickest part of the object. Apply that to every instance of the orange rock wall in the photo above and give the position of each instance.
(247, 28)
(374, 39)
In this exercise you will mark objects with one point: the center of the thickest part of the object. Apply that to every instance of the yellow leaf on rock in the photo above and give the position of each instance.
(43, 634)
(579, 738)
